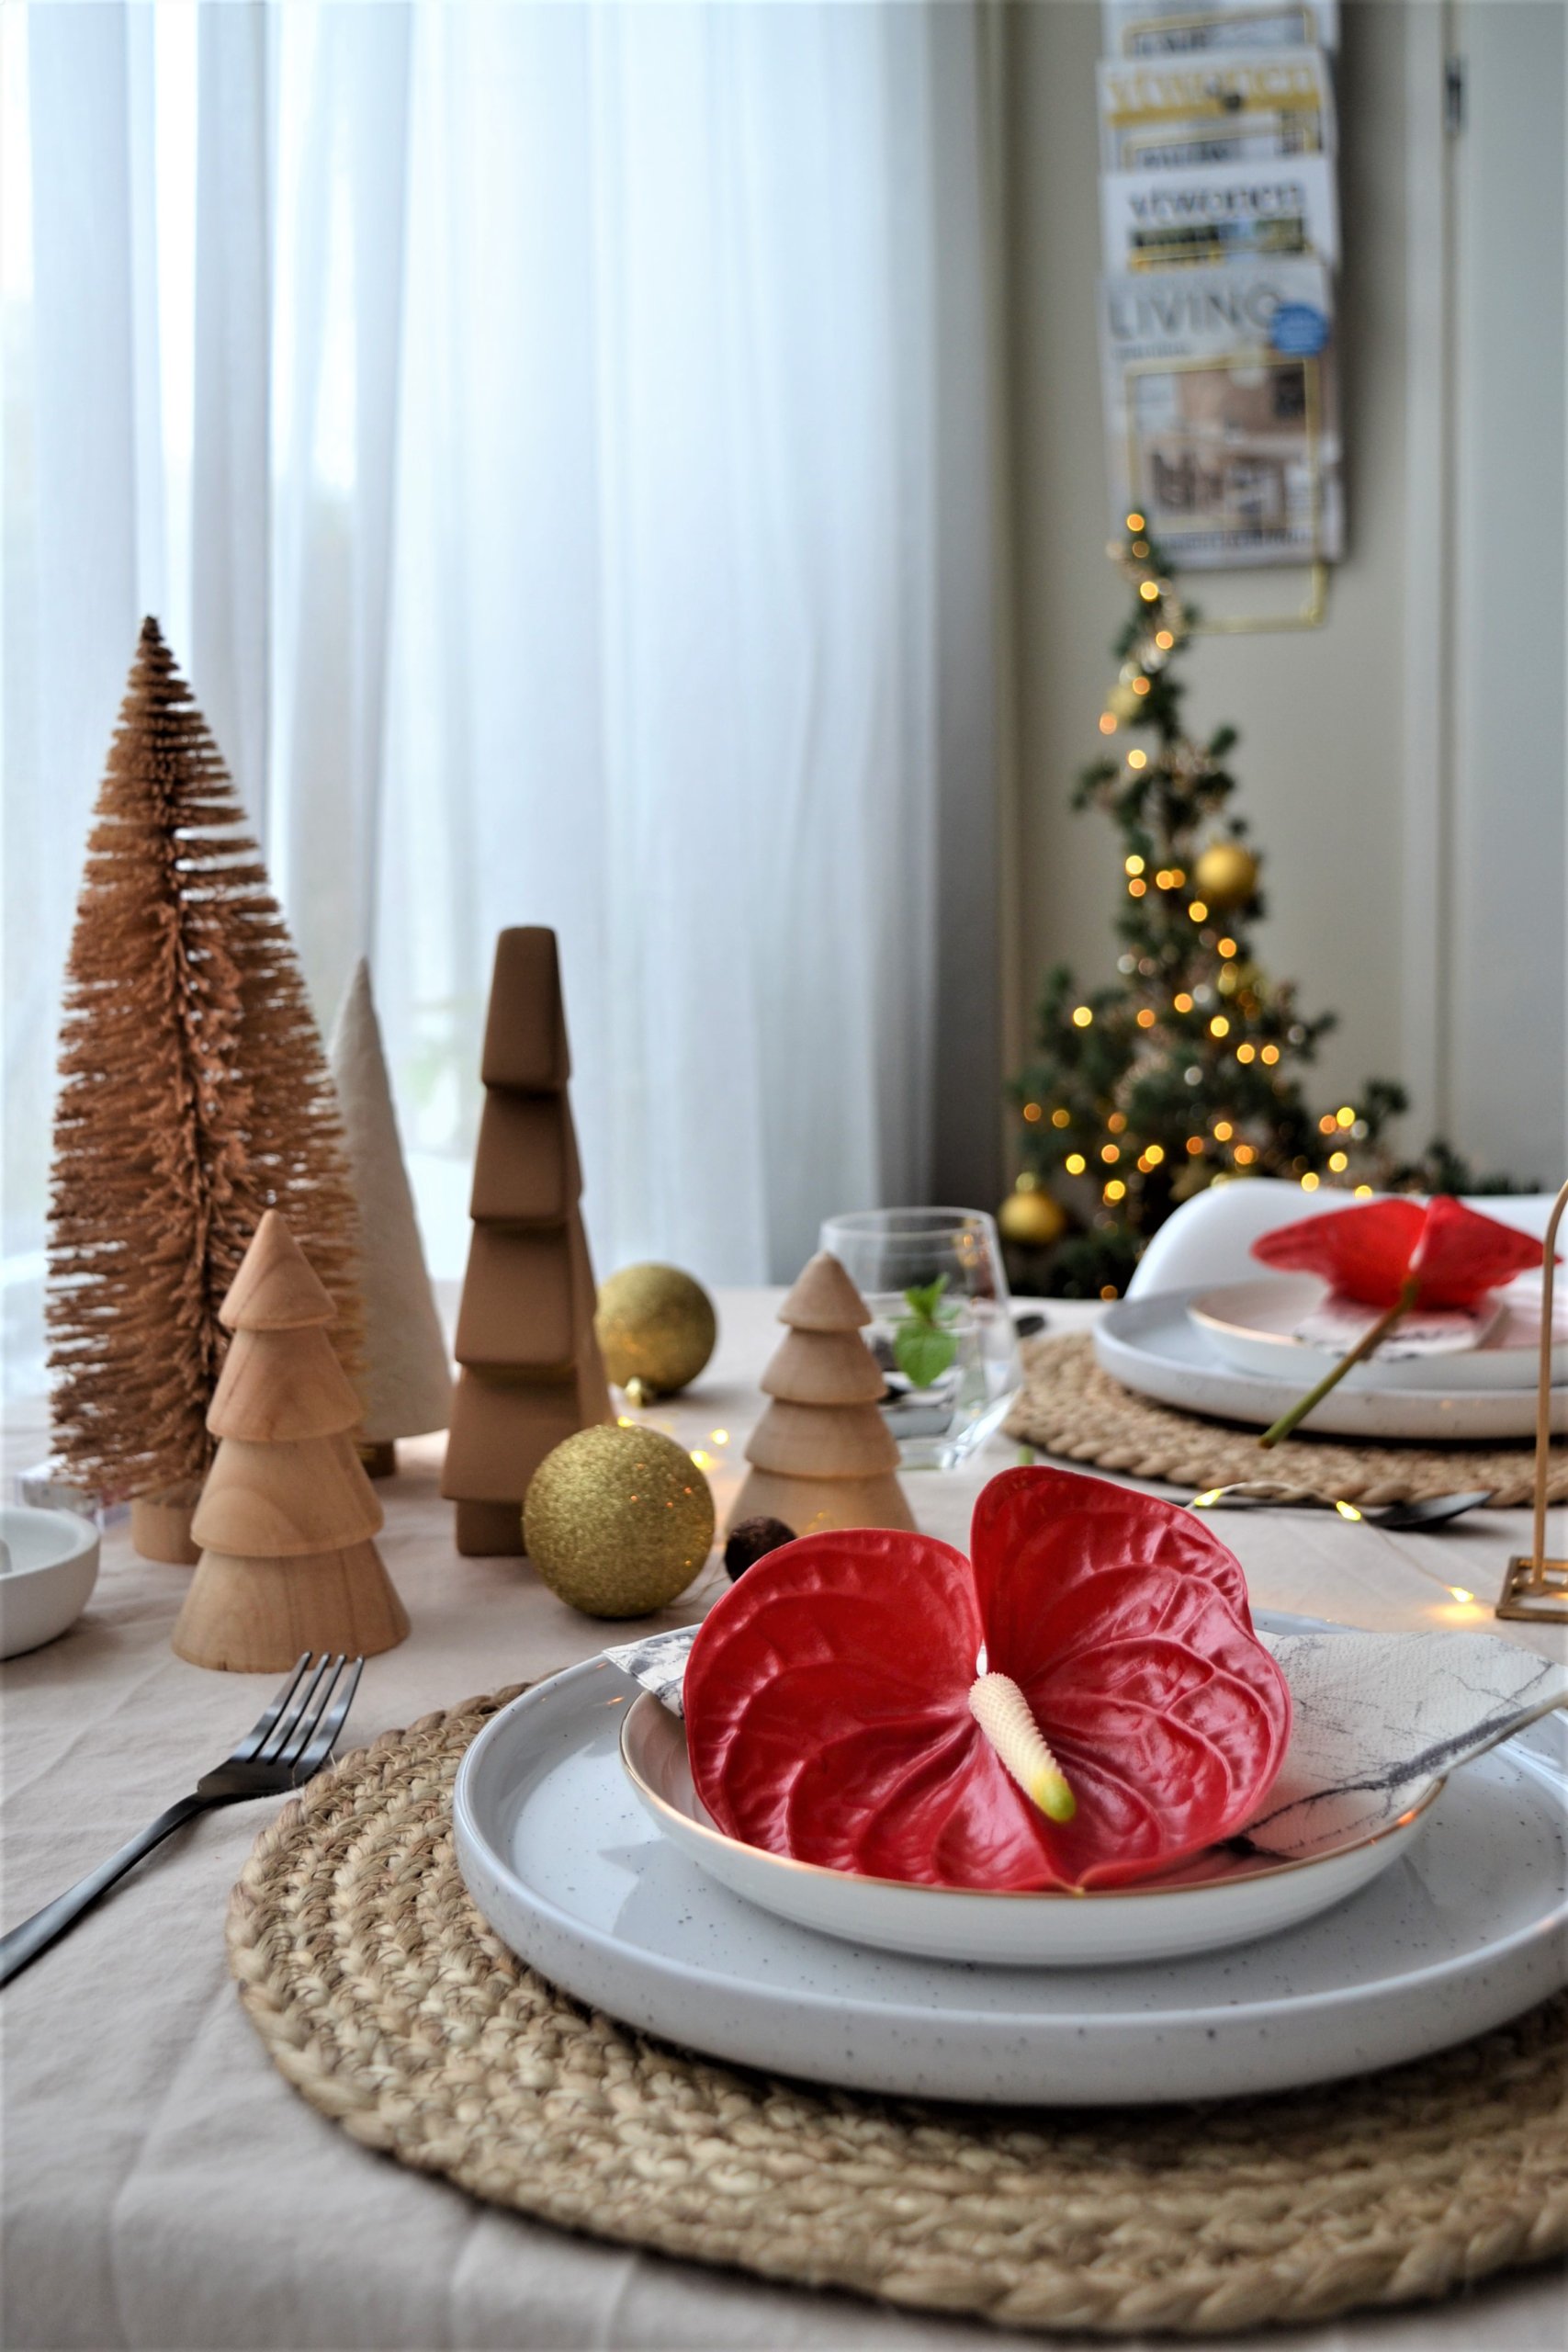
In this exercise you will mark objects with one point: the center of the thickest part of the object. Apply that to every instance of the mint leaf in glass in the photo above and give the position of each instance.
(923, 1345)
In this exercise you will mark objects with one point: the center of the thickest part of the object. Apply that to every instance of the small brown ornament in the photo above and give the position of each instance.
(618, 1521)
(752, 1541)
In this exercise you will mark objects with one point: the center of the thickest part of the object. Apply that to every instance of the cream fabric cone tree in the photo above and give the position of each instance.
(405, 1385)
(822, 1455)
(531, 1372)
(286, 1517)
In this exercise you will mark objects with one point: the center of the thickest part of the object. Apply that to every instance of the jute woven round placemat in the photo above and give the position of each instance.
(1072, 1408)
(383, 1997)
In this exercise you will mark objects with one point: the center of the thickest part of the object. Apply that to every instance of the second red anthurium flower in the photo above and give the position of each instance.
(1450, 1255)
(1082, 1702)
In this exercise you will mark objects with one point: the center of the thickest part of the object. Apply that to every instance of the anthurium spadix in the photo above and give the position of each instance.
(1081, 1702)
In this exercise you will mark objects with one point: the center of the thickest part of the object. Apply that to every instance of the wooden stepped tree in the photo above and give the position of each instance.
(405, 1382)
(822, 1457)
(288, 1516)
(531, 1371)
(194, 1097)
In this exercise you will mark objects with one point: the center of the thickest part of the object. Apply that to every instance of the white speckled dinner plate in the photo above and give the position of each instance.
(1216, 1898)
(1153, 1345)
(1253, 1326)
(1468, 1928)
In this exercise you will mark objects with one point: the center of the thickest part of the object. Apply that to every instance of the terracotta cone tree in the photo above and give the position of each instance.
(286, 1517)
(822, 1455)
(531, 1374)
(195, 1096)
(405, 1380)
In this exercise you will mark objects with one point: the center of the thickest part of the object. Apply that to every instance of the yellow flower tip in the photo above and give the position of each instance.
(1051, 1793)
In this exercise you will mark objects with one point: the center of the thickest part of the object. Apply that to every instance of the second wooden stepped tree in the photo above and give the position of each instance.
(286, 1517)
(531, 1371)
(822, 1457)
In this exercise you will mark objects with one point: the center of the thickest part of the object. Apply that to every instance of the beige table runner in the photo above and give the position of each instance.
(165, 2188)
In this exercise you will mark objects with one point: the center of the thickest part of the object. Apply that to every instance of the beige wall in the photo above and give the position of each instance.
(1320, 712)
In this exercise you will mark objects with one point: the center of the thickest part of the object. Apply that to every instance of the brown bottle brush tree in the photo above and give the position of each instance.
(194, 1097)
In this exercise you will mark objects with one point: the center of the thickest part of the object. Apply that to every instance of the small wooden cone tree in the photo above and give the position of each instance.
(287, 1516)
(822, 1457)
(531, 1374)
(194, 1097)
(405, 1382)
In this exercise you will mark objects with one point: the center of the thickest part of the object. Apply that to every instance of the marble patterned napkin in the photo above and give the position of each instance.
(1376, 1718)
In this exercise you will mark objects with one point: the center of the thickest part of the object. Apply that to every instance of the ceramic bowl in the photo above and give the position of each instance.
(1207, 1904)
(47, 1572)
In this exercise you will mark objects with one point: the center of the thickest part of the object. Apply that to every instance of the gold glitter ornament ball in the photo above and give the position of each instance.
(617, 1521)
(1225, 876)
(1031, 1218)
(656, 1325)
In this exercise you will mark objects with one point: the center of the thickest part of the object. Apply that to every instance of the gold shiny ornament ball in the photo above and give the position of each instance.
(1031, 1219)
(1225, 876)
(655, 1326)
(1123, 705)
(618, 1521)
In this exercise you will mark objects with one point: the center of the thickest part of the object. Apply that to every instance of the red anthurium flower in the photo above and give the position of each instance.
(1454, 1256)
(873, 1702)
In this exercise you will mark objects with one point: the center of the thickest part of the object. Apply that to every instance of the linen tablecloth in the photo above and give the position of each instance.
(163, 2187)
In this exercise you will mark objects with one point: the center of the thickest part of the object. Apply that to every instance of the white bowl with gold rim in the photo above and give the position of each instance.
(1219, 1897)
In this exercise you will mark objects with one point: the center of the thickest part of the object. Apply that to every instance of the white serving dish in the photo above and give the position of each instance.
(1468, 1928)
(1252, 1326)
(48, 1570)
(1217, 1899)
(1153, 1345)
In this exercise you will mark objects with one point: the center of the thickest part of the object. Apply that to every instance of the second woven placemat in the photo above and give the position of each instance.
(1070, 1408)
(385, 2001)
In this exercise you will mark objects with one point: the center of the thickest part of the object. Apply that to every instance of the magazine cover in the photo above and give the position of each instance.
(1219, 213)
(1165, 28)
(1229, 106)
(1221, 412)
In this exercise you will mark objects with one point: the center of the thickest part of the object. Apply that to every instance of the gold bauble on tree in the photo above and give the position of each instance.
(656, 1328)
(1225, 876)
(618, 1521)
(1031, 1218)
(1124, 705)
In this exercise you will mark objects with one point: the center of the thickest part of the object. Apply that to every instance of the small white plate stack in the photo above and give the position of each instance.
(615, 1887)
(1233, 1351)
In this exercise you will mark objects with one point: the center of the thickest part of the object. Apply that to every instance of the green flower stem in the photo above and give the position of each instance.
(1363, 1347)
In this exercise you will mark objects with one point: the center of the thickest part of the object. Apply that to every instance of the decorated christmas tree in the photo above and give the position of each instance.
(194, 1097)
(1185, 1072)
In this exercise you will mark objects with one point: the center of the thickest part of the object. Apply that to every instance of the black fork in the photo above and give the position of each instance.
(292, 1739)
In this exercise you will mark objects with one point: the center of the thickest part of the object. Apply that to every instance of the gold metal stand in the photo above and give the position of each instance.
(1536, 1588)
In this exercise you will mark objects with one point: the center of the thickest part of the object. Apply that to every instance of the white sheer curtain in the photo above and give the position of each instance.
(557, 449)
